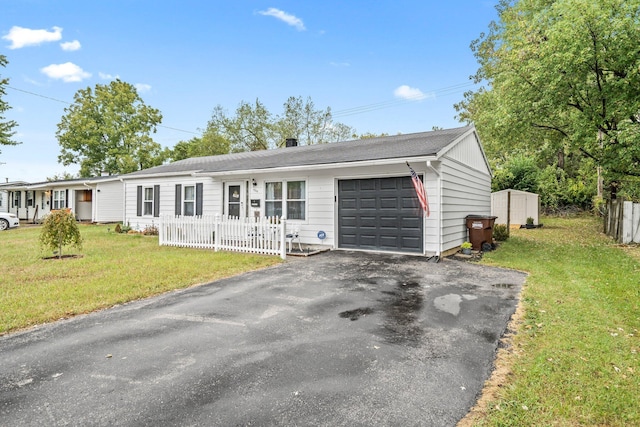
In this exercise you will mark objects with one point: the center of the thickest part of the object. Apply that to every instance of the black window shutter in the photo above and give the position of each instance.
(139, 201)
(178, 201)
(156, 200)
(51, 200)
(199, 199)
(66, 198)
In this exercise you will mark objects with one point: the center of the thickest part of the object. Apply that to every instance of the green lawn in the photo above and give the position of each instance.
(113, 269)
(574, 357)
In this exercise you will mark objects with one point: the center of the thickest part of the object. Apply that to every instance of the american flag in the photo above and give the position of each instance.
(420, 191)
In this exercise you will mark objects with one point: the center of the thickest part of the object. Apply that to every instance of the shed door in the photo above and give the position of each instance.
(379, 214)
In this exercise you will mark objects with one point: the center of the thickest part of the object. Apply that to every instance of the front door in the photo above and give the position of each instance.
(235, 199)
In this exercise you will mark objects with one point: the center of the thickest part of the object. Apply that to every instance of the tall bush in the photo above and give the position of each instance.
(60, 229)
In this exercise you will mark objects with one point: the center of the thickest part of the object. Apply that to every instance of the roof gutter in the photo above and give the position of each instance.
(321, 166)
(159, 175)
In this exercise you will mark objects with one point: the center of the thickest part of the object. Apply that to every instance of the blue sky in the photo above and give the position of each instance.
(382, 66)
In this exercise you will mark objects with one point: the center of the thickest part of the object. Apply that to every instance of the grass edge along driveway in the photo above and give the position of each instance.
(111, 269)
(573, 356)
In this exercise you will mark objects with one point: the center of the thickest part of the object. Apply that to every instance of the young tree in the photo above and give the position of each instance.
(6, 126)
(60, 229)
(107, 130)
(559, 74)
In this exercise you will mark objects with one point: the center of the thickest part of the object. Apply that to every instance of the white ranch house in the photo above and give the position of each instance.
(98, 199)
(355, 195)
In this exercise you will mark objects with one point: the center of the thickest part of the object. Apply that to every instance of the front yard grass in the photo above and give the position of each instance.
(112, 269)
(573, 359)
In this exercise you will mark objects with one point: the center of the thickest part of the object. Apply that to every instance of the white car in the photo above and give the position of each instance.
(8, 220)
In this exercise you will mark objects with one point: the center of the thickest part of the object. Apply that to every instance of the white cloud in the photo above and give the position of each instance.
(142, 87)
(409, 93)
(284, 17)
(21, 37)
(70, 46)
(105, 76)
(67, 72)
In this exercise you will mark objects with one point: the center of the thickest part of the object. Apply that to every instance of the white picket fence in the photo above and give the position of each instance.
(265, 235)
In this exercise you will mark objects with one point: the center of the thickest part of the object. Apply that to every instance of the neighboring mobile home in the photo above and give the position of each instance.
(98, 199)
(354, 195)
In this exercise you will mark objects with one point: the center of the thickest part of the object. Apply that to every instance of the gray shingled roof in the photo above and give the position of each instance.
(387, 147)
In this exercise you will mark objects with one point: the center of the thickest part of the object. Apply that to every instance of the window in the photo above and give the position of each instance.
(31, 195)
(59, 198)
(189, 202)
(286, 199)
(273, 199)
(16, 199)
(148, 201)
(85, 196)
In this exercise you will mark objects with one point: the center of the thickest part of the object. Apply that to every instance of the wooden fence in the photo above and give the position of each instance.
(622, 221)
(252, 235)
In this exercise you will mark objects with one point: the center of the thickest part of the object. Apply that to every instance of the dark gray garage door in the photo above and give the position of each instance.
(380, 214)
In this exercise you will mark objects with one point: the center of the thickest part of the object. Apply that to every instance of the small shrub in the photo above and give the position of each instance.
(60, 229)
(500, 232)
(150, 230)
(125, 229)
(118, 228)
(530, 220)
(466, 245)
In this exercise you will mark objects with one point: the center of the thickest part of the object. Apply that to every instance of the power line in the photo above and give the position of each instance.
(69, 103)
(362, 109)
(449, 90)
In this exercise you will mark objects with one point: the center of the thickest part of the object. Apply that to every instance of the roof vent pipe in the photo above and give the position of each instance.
(291, 142)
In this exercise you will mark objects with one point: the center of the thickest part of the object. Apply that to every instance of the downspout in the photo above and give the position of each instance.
(124, 200)
(439, 188)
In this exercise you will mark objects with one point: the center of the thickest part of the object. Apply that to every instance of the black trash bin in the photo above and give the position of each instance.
(480, 229)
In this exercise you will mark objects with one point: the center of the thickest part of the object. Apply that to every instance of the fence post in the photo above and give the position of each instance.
(161, 230)
(283, 240)
(216, 232)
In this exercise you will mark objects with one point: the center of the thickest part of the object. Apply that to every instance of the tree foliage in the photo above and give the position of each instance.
(561, 76)
(107, 130)
(6, 126)
(252, 127)
(211, 143)
(60, 229)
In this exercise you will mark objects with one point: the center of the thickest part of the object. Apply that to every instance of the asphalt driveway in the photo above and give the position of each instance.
(337, 339)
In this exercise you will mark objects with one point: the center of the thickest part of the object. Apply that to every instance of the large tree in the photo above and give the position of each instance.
(563, 76)
(253, 127)
(6, 126)
(108, 130)
(211, 143)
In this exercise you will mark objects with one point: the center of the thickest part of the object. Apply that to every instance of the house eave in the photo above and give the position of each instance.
(322, 166)
(160, 175)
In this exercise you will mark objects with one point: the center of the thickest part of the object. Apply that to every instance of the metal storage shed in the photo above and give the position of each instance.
(523, 206)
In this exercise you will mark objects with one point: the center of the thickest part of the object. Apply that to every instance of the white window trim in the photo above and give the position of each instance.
(59, 199)
(284, 200)
(191, 201)
(146, 201)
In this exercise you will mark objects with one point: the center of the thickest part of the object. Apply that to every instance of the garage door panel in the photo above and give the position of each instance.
(390, 184)
(386, 215)
(389, 203)
(368, 203)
